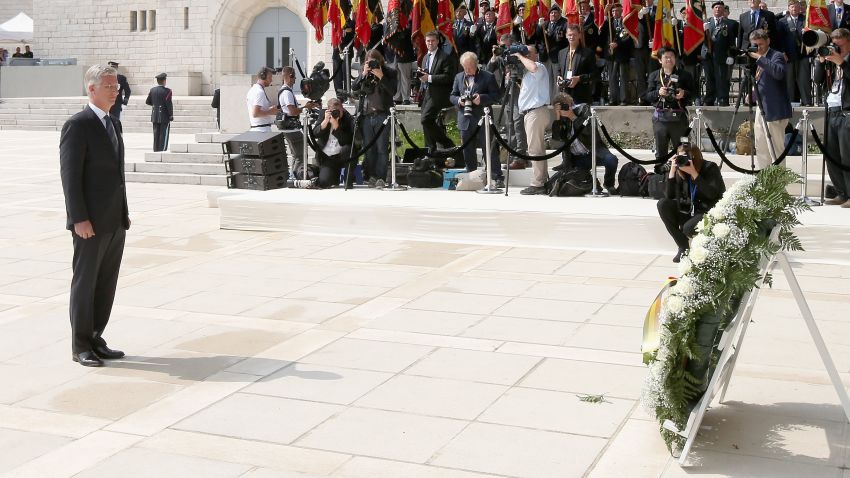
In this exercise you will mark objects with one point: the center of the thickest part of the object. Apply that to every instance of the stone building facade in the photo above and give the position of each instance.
(8, 9)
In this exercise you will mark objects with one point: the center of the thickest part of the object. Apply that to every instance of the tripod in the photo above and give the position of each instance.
(508, 99)
(746, 85)
(358, 113)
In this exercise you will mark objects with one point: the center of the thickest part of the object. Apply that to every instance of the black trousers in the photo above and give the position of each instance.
(838, 146)
(717, 81)
(160, 136)
(798, 75)
(95, 266)
(434, 134)
(667, 132)
(470, 156)
(680, 225)
(330, 166)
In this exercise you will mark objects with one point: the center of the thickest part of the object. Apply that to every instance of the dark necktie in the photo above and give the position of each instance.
(113, 136)
(753, 19)
(838, 12)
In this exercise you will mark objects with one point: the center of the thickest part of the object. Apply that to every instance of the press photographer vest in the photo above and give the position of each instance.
(284, 111)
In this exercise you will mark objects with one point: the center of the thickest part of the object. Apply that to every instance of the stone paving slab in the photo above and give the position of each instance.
(270, 354)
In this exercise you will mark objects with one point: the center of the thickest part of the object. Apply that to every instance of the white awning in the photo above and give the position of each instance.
(17, 29)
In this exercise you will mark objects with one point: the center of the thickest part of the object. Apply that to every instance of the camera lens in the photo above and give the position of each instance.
(335, 114)
(824, 51)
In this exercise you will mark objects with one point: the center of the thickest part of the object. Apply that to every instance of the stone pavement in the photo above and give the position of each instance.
(293, 355)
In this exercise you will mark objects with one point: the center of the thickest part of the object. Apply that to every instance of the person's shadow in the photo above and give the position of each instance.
(198, 369)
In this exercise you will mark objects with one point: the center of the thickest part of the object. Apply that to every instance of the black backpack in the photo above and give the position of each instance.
(575, 182)
(630, 177)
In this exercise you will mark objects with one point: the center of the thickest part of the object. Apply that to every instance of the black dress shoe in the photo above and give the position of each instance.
(87, 359)
(107, 353)
(678, 256)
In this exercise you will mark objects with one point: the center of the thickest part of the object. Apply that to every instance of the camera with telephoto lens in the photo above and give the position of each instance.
(315, 86)
(466, 99)
(826, 50)
(684, 158)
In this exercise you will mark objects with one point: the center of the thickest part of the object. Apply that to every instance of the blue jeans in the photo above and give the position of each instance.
(606, 159)
(377, 157)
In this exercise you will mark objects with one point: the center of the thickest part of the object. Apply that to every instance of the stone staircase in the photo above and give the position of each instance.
(191, 113)
(202, 163)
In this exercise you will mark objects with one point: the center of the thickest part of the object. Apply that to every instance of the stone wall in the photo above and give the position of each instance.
(10, 8)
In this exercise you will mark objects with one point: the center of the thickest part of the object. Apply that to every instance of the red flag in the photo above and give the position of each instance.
(663, 31)
(363, 24)
(317, 15)
(599, 12)
(817, 16)
(337, 20)
(531, 15)
(445, 19)
(505, 21)
(630, 18)
(694, 34)
(569, 9)
(422, 23)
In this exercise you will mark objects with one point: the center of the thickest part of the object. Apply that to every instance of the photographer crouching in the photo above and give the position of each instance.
(472, 91)
(378, 84)
(771, 92)
(838, 104)
(291, 126)
(670, 90)
(569, 117)
(693, 187)
(334, 135)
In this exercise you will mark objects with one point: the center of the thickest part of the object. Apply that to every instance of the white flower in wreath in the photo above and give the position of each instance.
(700, 241)
(684, 287)
(718, 213)
(720, 230)
(684, 266)
(674, 305)
(698, 254)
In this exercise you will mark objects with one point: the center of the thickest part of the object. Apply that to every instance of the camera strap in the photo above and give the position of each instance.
(692, 188)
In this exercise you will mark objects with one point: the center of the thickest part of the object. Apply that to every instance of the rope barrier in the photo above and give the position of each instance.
(826, 155)
(732, 165)
(311, 141)
(440, 153)
(629, 156)
(504, 144)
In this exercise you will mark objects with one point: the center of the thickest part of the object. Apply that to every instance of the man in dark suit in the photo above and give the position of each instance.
(721, 34)
(839, 15)
(162, 112)
(487, 37)
(481, 89)
(436, 76)
(754, 19)
(771, 94)
(578, 68)
(464, 40)
(123, 94)
(618, 52)
(91, 157)
(799, 71)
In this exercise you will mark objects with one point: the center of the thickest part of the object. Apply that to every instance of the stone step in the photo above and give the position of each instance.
(198, 158)
(176, 168)
(168, 178)
(215, 137)
(209, 148)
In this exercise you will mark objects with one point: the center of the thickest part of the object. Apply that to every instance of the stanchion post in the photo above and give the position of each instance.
(803, 127)
(393, 186)
(595, 192)
(305, 116)
(698, 127)
(488, 185)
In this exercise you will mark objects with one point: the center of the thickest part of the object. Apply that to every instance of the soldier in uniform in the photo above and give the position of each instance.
(799, 71)
(162, 112)
(642, 52)
(720, 36)
(556, 36)
(618, 52)
(464, 40)
(588, 26)
(487, 37)
(123, 93)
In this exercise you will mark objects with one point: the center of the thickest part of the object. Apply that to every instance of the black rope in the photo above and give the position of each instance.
(825, 154)
(440, 153)
(298, 64)
(371, 142)
(629, 156)
(732, 165)
(545, 157)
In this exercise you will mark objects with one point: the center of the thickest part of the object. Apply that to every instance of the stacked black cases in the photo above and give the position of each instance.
(256, 161)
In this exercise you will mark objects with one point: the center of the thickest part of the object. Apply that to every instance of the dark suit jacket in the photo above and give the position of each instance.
(625, 44)
(844, 21)
(92, 174)
(591, 33)
(162, 110)
(563, 130)
(463, 40)
(443, 69)
(646, 29)
(584, 67)
(123, 95)
(710, 189)
(771, 86)
(686, 83)
(485, 86)
(766, 21)
(556, 35)
(790, 33)
(486, 37)
(722, 35)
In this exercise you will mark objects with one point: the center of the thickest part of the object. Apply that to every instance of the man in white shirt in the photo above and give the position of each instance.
(292, 127)
(533, 104)
(261, 111)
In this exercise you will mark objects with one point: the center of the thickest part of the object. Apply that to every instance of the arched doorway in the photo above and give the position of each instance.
(270, 38)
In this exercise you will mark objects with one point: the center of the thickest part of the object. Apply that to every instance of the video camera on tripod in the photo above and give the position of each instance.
(513, 63)
(315, 86)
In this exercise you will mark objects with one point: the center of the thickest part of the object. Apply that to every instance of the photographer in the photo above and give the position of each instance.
(693, 187)
(533, 104)
(334, 135)
(473, 90)
(261, 111)
(436, 75)
(773, 106)
(506, 77)
(378, 83)
(290, 111)
(578, 68)
(670, 91)
(838, 103)
(569, 117)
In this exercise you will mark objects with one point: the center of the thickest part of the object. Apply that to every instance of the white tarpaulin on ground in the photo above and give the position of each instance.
(17, 29)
